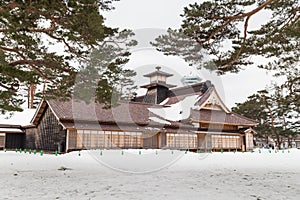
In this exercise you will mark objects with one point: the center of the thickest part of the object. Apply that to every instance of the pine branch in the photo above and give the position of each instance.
(230, 19)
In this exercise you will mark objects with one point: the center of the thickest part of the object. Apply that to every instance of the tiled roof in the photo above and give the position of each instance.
(134, 113)
(175, 99)
(188, 89)
(129, 113)
(220, 117)
(205, 96)
(125, 112)
(178, 93)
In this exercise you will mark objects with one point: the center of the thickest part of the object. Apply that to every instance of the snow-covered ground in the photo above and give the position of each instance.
(117, 174)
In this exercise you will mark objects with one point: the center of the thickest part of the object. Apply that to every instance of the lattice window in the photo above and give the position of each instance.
(181, 141)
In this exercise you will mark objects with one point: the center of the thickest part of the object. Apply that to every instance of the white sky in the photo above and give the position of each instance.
(150, 18)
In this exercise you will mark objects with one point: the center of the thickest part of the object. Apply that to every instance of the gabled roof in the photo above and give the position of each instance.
(79, 110)
(250, 130)
(137, 113)
(202, 114)
(211, 96)
(71, 113)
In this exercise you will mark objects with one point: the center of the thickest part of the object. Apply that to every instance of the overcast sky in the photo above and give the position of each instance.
(150, 18)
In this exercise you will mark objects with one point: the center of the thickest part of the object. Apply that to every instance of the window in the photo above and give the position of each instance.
(93, 139)
(182, 141)
(226, 142)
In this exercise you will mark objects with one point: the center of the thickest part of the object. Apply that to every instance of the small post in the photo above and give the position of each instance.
(30, 151)
(259, 151)
(140, 152)
(156, 152)
(79, 154)
(56, 153)
(100, 153)
(198, 151)
(25, 150)
(16, 150)
(34, 152)
(185, 151)
(122, 152)
(221, 150)
(172, 152)
(4, 150)
(20, 150)
(41, 152)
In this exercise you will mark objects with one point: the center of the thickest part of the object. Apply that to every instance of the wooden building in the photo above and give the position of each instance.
(189, 117)
(11, 136)
(12, 130)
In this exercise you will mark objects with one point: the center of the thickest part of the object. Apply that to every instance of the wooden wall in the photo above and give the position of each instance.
(150, 140)
(219, 127)
(15, 140)
(48, 136)
(31, 138)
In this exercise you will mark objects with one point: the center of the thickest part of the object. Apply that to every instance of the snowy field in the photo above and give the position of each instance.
(150, 174)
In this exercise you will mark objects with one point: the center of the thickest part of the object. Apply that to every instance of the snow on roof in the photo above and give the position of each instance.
(177, 111)
(12, 130)
(161, 121)
(18, 118)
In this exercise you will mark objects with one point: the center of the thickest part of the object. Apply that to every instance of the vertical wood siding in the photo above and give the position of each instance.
(50, 135)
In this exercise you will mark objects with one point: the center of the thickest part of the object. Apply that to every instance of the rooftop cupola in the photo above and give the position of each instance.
(158, 87)
(158, 77)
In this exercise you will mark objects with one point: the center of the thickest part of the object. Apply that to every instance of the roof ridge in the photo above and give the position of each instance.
(187, 86)
(142, 103)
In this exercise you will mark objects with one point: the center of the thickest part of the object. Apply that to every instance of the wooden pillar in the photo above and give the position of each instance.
(242, 138)
(201, 142)
(2, 140)
(67, 140)
(163, 139)
(158, 140)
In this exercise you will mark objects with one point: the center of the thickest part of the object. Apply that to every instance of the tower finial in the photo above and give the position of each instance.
(158, 68)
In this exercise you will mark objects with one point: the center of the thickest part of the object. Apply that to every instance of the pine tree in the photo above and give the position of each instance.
(41, 40)
(209, 26)
(104, 80)
(274, 110)
(212, 24)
